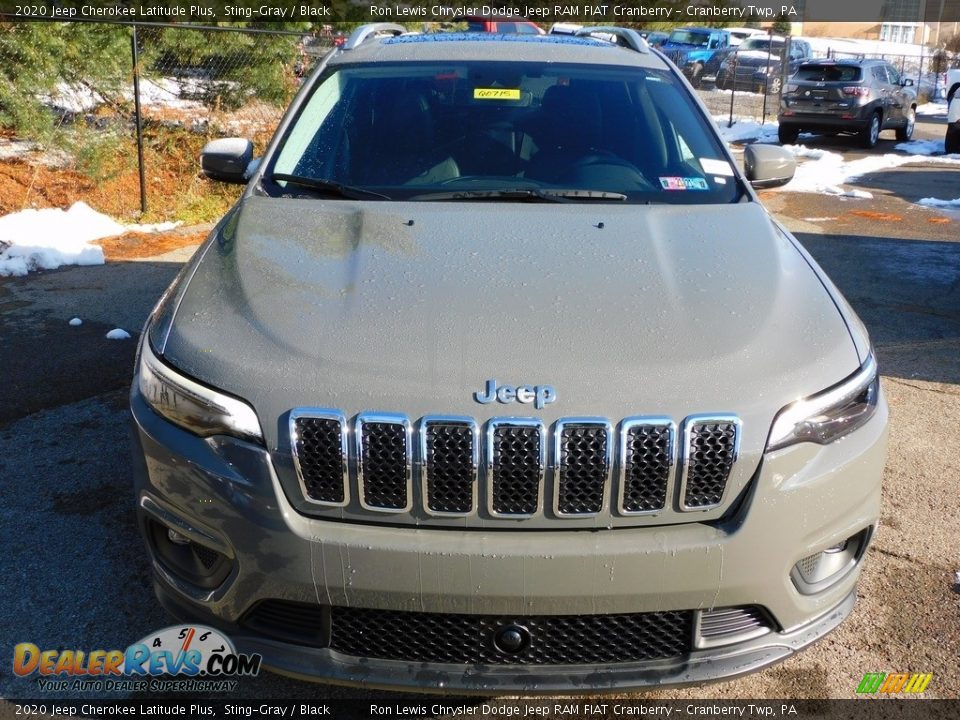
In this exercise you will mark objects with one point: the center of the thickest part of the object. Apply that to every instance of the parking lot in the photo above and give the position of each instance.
(75, 574)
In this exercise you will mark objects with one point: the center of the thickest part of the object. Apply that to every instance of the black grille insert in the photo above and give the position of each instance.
(583, 462)
(517, 457)
(296, 622)
(384, 463)
(320, 458)
(450, 465)
(469, 639)
(647, 458)
(711, 453)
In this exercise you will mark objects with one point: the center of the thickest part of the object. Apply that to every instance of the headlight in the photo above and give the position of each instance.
(831, 414)
(191, 405)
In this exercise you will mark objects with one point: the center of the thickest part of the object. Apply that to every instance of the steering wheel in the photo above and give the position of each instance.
(600, 158)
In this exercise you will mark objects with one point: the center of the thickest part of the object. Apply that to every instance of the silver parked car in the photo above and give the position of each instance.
(499, 377)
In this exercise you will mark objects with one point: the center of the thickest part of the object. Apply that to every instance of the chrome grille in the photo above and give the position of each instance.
(449, 450)
(320, 455)
(582, 465)
(646, 448)
(711, 445)
(383, 448)
(469, 639)
(517, 452)
(583, 459)
(808, 566)
(723, 626)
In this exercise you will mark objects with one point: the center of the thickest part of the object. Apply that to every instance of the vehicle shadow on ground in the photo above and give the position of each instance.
(47, 362)
(907, 292)
(915, 184)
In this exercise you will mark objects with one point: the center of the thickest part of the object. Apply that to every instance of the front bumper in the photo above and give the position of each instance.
(223, 494)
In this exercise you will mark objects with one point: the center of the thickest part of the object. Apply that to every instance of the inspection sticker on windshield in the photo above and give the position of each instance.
(716, 167)
(496, 93)
(683, 183)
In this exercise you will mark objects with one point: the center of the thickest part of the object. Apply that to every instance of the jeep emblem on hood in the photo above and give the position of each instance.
(539, 395)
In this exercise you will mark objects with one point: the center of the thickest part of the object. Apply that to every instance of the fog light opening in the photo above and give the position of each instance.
(187, 560)
(819, 571)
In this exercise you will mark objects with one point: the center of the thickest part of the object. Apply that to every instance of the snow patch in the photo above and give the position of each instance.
(933, 108)
(76, 322)
(745, 130)
(824, 171)
(50, 238)
(938, 203)
(921, 147)
(118, 334)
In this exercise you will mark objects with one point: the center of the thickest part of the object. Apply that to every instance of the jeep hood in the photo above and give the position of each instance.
(411, 307)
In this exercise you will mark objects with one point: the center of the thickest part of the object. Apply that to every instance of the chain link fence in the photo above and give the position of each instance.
(736, 91)
(80, 92)
(82, 95)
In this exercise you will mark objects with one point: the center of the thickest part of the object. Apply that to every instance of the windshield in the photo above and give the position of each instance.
(582, 132)
(689, 37)
(762, 43)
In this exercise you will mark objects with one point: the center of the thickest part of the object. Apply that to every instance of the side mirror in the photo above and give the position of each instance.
(768, 166)
(227, 160)
(907, 83)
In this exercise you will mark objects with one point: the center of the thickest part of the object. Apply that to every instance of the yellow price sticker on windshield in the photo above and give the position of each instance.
(496, 93)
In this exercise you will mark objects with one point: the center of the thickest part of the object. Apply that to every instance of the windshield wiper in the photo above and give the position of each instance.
(524, 195)
(329, 186)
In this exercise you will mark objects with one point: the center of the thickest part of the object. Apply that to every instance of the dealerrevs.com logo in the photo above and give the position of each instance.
(198, 658)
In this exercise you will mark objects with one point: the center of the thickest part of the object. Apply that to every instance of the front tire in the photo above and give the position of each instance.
(951, 143)
(871, 134)
(788, 135)
(953, 91)
(906, 132)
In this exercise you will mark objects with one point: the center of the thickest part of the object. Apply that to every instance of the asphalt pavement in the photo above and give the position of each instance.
(75, 575)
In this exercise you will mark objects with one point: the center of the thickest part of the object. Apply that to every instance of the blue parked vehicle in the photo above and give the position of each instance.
(691, 48)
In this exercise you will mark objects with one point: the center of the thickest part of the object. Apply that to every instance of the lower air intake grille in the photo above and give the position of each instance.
(299, 623)
(711, 452)
(517, 460)
(549, 640)
(321, 457)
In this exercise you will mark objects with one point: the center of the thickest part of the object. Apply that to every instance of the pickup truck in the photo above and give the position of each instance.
(692, 48)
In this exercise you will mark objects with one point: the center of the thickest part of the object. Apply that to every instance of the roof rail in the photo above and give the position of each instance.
(625, 37)
(365, 32)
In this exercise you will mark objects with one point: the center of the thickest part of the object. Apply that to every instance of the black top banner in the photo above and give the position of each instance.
(693, 12)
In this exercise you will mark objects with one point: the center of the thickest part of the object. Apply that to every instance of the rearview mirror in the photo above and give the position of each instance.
(768, 166)
(227, 160)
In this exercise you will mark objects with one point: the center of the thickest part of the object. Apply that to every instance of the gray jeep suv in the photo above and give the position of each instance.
(863, 97)
(498, 377)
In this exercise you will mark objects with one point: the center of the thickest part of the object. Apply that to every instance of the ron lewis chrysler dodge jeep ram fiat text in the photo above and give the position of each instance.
(499, 377)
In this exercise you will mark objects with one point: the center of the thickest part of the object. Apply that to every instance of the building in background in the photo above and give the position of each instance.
(919, 22)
